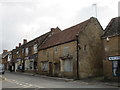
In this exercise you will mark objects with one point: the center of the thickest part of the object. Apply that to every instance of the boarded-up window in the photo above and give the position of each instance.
(68, 65)
(55, 50)
(44, 52)
(45, 66)
(65, 51)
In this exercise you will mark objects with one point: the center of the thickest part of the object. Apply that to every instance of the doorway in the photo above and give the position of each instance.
(50, 68)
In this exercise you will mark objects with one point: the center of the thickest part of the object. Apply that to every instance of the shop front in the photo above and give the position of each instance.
(30, 64)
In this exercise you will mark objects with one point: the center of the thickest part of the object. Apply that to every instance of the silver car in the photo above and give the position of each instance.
(2, 70)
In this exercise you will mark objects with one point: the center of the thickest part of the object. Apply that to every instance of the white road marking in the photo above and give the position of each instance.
(23, 84)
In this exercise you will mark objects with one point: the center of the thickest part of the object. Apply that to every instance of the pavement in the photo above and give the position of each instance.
(43, 76)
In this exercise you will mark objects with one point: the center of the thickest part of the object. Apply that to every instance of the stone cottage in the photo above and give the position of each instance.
(75, 52)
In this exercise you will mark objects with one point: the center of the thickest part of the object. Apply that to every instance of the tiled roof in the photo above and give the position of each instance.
(113, 28)
(64, 36)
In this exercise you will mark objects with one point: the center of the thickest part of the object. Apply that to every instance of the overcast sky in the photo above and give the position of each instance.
(29, 19)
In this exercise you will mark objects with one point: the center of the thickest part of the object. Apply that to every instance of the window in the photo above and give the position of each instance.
(26, 51)
(35, 48)
(55, 50)
(17, 52)
(45, 66)
(22, 51)
(44, 52)
(32, 64)
(68, 65)
(29, 64)
(116, 68)
(65, 51)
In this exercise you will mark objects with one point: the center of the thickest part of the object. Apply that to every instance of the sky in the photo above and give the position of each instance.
(28, 19)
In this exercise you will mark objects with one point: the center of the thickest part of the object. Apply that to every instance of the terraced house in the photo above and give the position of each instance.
(111, 40)
(24, 57)
(75, 52)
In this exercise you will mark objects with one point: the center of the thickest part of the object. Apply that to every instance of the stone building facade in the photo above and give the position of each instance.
(24, 57)
(75, 52)
(111, 40)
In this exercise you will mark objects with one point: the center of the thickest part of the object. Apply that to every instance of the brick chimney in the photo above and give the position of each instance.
(16, 46)
(4, 51)
(24, 41)
(55, 30)
(19, 44)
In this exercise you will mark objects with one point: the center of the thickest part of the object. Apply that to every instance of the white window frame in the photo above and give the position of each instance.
(26, 51)
(17, 52)
(35, 48)
(22, 50)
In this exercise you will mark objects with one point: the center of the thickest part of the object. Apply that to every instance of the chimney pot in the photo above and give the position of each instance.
(5, 50)
(55, 30)
(19, 44)
(16, 46)
(24, 41)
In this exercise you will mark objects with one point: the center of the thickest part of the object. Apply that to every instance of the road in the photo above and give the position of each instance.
(19, 80)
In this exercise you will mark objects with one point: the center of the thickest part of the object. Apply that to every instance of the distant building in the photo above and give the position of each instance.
(111, 40)
(5, 60)
(75, 52)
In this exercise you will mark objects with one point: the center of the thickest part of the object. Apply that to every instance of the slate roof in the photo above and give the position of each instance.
(113, 28)
(65, 36)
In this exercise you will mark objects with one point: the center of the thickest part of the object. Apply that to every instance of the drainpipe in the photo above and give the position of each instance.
(77, 78)
(23, 61)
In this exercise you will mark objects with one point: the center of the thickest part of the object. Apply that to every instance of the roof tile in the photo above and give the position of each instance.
(64, 36)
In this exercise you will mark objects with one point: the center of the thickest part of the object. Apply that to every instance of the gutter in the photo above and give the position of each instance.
(77, 78)
(103, 37)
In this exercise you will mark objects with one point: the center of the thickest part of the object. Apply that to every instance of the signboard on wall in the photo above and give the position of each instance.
(18, 59)
(26, 58)
(114, 58)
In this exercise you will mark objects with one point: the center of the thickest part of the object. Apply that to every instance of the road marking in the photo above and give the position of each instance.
(23, 84)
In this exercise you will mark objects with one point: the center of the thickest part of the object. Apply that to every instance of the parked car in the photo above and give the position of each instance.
(2, 69)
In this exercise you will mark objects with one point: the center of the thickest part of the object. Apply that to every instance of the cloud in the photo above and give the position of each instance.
(30, 18)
